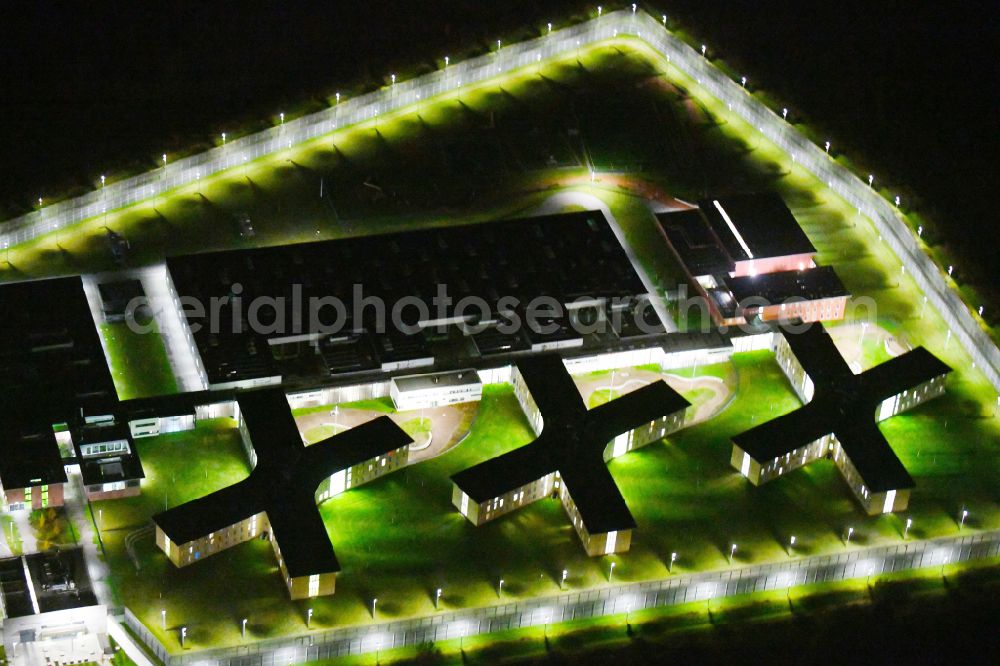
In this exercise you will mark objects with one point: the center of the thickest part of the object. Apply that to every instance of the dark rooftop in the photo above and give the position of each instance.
(844, 404)
(54, 371)
(775, 288)
(116, 296)
(572, 442)
(32, 460)
(110, 467)
(697, 247)
(566, 256)
(283, 484)
(761, 220)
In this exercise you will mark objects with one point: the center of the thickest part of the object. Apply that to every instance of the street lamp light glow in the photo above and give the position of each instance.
(600, 10)
(612, 572)
(950, 269)
(664, 18)
(337, 96)
(102, 180)
(906, 530)
(850, 533)
(633, 8)
(374, 601)
(243, 629)
(703, 49)
(827, 146)
(393, 78)
(965, 514)
(871, 179)
(784, 113)
(163, 619)
(223, 138)
(732, 552)
(550, 27)
(500, 588)
(897, 201)
(309, 617)
(437, 598)
(184, 633)
(743, 81)
(446, 61)
(562, 583)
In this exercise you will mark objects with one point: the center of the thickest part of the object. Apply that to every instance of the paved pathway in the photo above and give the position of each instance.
(78, 511)
(29, 544)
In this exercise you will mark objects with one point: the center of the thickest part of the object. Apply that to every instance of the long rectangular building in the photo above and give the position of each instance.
(490, 271)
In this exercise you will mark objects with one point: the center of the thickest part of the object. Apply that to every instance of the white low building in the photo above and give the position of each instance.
(435, 389)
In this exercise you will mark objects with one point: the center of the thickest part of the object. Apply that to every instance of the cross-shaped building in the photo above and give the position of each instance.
(278, 501)
(840, 417)
(570, 453)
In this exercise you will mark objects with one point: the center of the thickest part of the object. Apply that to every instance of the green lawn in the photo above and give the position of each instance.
(399, 538)
(761, 622)
(11, 534)
(138, 361)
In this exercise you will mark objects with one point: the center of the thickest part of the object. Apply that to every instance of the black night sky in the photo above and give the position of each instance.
(906, 88)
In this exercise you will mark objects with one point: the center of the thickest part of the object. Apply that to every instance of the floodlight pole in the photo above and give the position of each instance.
(437, 598)
(562, 582)
(850, 533)
(906, 530)
(673, 558)
(500, 588)
(374, 601)
(243, 629)
(611, 572)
